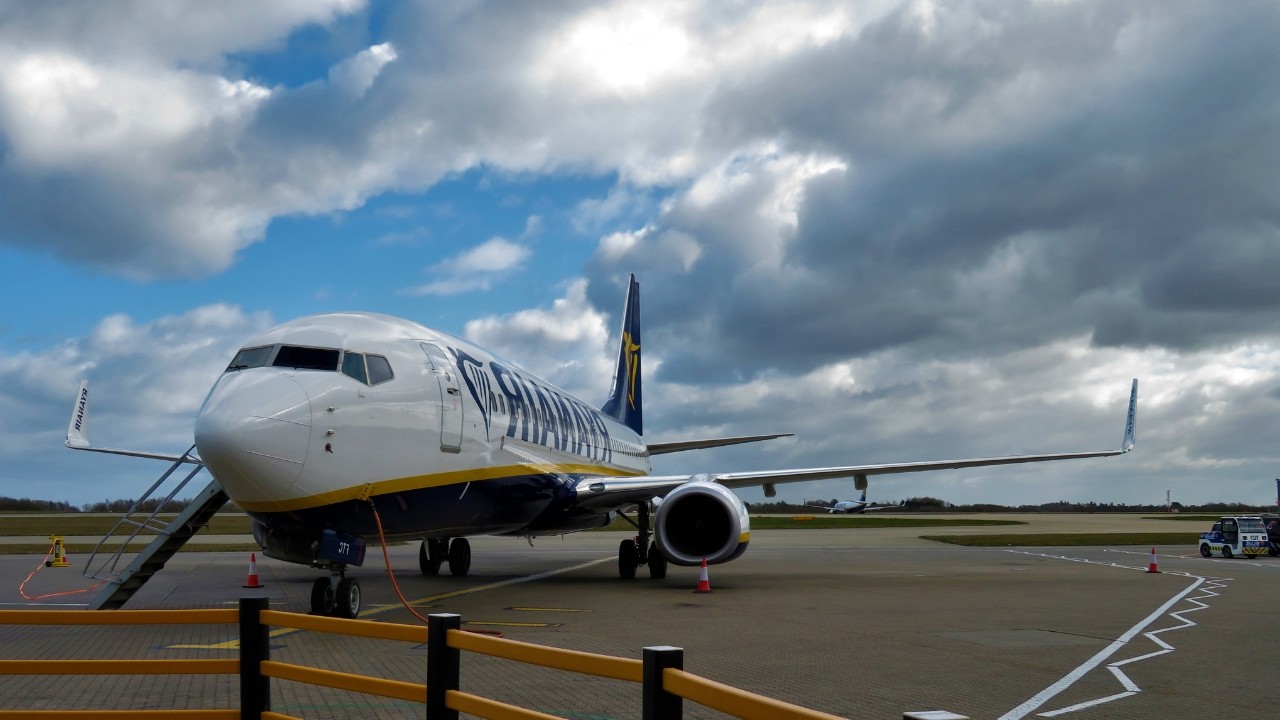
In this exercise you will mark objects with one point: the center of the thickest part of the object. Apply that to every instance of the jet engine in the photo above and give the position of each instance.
(701, 520)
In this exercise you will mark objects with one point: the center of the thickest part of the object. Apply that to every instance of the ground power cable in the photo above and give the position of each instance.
(392, 574)
(43, 564)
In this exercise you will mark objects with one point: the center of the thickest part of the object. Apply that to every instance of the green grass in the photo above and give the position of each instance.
(77, 553)
(1069, 539)
(230, 524)
(823, 522)
(863, 521)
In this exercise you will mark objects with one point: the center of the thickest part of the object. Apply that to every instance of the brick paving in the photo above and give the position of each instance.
(851, 622)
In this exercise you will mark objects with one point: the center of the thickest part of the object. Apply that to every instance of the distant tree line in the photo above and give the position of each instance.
(781, 507)
(8, 504)
(930, 504)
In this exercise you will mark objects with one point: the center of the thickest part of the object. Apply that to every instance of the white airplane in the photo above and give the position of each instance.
(855, 506)
(332, 428)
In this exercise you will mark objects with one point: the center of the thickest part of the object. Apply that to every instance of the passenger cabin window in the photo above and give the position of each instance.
(353, 367)
(379, 369)
(251, 358)
(307, 358)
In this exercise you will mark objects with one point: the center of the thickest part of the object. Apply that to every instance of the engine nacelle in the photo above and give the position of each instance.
(701, 520)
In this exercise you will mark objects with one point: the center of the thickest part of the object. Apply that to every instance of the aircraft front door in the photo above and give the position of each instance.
(450, 397)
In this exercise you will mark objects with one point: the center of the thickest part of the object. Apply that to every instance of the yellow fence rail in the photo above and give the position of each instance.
(664, 683)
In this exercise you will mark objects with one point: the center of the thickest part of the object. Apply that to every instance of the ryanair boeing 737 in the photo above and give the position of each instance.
(334, 428)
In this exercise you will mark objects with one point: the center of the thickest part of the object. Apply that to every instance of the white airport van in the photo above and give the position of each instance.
(1231, 536)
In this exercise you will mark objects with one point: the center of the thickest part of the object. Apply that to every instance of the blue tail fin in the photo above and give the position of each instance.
(624, 400)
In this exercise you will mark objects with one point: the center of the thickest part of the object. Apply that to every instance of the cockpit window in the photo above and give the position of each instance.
(379, 369)
(251, 358)
(353, 367)
(307, 358)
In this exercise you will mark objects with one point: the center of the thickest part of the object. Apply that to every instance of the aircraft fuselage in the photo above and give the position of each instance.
(318, 416)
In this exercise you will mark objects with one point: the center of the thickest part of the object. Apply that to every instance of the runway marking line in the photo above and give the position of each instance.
(1130, 688)
(420, 602)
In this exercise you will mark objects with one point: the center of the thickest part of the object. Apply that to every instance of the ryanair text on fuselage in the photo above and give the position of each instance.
(535, 413)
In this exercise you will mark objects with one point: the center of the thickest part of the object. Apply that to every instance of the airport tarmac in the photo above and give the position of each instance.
(858, 623)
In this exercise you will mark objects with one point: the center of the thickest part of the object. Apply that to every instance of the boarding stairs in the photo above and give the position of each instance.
(171, 535)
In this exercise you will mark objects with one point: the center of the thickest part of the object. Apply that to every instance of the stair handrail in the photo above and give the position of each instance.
(107, 570)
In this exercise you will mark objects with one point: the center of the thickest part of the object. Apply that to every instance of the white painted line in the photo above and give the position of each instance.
(1128, 684)
(1091, 703)
(1072, 677)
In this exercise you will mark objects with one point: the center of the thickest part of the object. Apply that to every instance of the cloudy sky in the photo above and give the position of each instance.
(902, 230)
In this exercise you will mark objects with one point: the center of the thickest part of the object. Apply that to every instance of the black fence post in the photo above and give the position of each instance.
(255, 688)
(658, 703)
(443, 664)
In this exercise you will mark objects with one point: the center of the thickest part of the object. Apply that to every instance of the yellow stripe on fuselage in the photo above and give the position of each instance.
(421, 482)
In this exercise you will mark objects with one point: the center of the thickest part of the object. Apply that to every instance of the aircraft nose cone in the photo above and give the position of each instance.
(253, 434)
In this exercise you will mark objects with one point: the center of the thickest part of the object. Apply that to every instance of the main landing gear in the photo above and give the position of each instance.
(434, 552)
(633, 553)
(336, 595)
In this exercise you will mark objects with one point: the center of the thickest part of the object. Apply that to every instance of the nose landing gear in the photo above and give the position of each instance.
(336, 595)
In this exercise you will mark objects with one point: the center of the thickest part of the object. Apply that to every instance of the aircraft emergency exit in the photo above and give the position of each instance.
(334, 428)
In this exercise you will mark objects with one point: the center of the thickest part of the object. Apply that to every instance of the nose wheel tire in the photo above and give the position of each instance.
(459, 557)
(348, 598)
(323, 597)
(335, 597)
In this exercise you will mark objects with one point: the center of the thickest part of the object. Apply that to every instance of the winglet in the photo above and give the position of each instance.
(78, 427)
(1130, 432)
(624, 401)
(78, 434)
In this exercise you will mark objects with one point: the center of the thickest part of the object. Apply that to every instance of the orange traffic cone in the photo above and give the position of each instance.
(704, 584)
(252, 581)
(1151, 567)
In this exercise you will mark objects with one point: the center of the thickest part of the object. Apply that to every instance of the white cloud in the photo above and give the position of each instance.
(355, 74)
(566, 343)
(61, 111)
(475, 269)
(917, 225)
(147, 380)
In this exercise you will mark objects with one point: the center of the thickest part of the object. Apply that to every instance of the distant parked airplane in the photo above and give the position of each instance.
(855, 506)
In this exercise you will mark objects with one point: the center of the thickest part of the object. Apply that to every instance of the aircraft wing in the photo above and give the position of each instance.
(603, 492)
(770, 477)
(681, 446)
